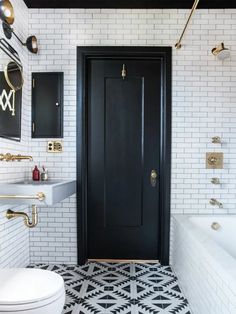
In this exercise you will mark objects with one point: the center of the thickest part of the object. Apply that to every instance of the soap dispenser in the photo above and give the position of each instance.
(36, 174)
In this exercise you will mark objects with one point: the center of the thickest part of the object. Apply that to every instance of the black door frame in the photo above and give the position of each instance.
(83, 55)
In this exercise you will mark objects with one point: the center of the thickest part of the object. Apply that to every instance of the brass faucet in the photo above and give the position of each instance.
(10, 157)
(213, 202)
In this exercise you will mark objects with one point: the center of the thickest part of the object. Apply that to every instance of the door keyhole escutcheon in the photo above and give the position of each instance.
(153, 178)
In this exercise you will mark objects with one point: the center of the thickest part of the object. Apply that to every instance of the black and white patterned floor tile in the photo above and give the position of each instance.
(110, 288)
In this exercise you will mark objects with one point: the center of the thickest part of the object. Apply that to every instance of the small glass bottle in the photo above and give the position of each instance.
(44, 174)
(36, 174)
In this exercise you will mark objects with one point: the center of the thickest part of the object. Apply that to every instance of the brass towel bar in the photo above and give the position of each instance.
(39, 196)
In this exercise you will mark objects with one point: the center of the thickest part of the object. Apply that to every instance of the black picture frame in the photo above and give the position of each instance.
(84, 54)
(10, 125)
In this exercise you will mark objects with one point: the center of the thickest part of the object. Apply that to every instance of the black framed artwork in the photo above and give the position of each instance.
(10, 110)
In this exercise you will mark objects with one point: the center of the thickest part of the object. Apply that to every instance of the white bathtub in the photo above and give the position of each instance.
(204, 261)
(225, 236)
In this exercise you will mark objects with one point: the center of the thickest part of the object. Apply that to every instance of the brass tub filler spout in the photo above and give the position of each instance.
(30, 224)
(10, 157)
(214, 202)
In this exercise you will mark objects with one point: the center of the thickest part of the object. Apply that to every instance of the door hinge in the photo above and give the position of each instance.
(33, 127)
(33, 83)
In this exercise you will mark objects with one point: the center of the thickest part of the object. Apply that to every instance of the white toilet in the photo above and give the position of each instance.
(31, 291)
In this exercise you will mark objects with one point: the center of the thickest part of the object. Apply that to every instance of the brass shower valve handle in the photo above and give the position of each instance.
(215, 181)
(216, 140)
(214, 160)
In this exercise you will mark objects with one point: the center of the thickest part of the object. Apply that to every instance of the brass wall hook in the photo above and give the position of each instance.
(124, 72)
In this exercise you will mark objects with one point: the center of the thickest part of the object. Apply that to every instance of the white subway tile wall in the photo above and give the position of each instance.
(14, 237)
(204, 105)
(207, 284)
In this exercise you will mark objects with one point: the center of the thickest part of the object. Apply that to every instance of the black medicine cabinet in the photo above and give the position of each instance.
(47, 104)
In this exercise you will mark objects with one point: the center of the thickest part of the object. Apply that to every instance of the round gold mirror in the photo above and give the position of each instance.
(13, 75)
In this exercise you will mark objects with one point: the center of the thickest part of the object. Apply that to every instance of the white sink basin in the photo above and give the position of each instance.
(54, 190)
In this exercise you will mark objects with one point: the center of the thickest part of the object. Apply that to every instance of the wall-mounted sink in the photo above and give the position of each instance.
(54, 191)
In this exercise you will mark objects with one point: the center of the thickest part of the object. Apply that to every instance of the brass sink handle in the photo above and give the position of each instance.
(10, 157)
(30, 224)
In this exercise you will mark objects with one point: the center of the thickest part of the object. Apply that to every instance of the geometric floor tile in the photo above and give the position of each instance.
(120, 288)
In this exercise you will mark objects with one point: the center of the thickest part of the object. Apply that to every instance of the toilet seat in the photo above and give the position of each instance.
(23, 289)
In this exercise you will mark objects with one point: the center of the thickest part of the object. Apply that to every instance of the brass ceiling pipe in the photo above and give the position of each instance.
(178, 44)
(10, 157)
(30, 224)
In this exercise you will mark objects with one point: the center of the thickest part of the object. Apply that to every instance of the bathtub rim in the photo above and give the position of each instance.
(221, 260)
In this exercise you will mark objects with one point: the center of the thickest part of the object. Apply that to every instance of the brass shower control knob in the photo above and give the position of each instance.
(216, 140)
(214, 160)
(215, 181)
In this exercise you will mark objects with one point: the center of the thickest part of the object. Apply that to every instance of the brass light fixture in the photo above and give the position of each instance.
(221, 52)
(31, 42)
(6, 12)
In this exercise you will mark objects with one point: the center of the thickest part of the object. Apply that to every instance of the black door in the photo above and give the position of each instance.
(124, 100)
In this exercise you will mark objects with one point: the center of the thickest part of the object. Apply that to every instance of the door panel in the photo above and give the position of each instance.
(123, 148)
(123, 152)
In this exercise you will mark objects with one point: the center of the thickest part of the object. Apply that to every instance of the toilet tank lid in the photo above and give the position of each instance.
(27, 285)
